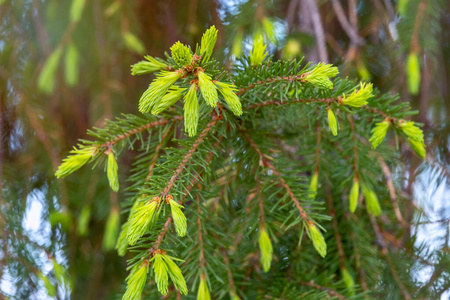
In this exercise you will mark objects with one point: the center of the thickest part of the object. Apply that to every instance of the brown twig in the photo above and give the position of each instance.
(323, 100)
(181, 201)
(155, 156)
(385, 252)
(265, 163)
(202, 261)
(129, 133)
(323, 288)
(290, 78)
(392, 193)
(334, 223)
(191, 152)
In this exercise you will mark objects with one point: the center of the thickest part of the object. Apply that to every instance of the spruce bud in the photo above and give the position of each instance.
(173, 95)
(359, 97)
(191, 111)
(373, 206)
(379, 133)
(320, 75)
(141, 220)
(76, 160)
(208, 89)
(413, 73)
(112, 170)
(178, 217)
(208, 42)
(354, 194)
(418, 147)
(265, 246)
(258, 52)
(147, 67)
(317, 239)
(203, 291)
(228, 92)
(181, 54)
(136, 281)
(332, 122)
(164, 267)
(313, 185)
(348, 280)
(153, 95)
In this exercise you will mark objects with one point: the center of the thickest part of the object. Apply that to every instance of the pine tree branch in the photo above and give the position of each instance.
(323, 288)
(261, 207)
(156, 154)
(327, 101)
(334, 223)
(264, 162)
(153, 124)
(392, 194)
(194, 180)
(319, 138)
(191, 151)
(229, 273)
(202, 261)
(385, 252)
(362, 272)
(290, 78)
(355, 148)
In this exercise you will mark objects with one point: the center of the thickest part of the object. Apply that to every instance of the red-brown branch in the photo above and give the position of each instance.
(261, 207)
(323, 288)
(392, 194)
(270, 80)
(155, 157)
(229, 273)
(191, 152)
(129, 133)
(334, 223)
(323, 100)
(264, 162)
(188, 189)
(202, 261)
(317, 158)
(355, 148)
(385, 252)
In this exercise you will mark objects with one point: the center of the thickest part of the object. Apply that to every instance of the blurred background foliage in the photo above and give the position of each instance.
(65, 67)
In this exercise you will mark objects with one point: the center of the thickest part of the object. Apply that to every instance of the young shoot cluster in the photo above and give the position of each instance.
(182, 76)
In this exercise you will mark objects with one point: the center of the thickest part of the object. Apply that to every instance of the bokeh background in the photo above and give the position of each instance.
(65, 67)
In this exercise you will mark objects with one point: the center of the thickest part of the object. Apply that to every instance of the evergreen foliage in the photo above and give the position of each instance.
(228, 185)
(240, 191)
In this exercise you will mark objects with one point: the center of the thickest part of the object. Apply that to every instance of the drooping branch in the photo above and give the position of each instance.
(129, 133)
(385, 252)
(326, 101)
(392, 194)
(194, 180)
(334, 223)
(156, 154)
(290, 78)
(323, 288)
(191, 152)
(265, 163)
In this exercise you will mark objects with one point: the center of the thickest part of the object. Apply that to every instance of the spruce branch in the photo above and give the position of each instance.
(391, 187)
(198, 141)
(156, 153)
(229, 272)
(265, 163)
(340, 248)
(131, 132)
(323, 288)
(169, 220)
(385, 252)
